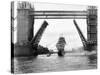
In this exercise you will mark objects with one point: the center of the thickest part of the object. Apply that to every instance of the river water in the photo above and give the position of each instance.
(42, 63)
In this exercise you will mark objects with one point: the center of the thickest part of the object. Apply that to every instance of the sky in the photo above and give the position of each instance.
(56, 28)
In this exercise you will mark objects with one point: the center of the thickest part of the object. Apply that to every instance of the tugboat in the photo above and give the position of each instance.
(60, 46)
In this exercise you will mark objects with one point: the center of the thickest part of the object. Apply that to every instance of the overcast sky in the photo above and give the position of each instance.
(58, 27)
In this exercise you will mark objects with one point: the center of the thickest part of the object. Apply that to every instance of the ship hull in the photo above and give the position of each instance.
(61, 52)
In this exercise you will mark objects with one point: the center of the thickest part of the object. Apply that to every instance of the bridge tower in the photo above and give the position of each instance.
(24, 22)
(25, 29)
(92, 24)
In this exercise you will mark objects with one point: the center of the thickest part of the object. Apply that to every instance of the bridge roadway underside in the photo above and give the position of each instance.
(59, 14)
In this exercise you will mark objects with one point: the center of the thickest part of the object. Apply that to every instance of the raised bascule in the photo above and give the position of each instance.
(36, 39)
(88, 45)
(27, 43)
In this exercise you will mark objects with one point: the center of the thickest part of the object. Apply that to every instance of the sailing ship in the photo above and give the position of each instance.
(60, 46)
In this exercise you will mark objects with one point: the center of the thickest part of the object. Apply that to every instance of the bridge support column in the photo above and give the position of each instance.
(24, 29)
(92, 25)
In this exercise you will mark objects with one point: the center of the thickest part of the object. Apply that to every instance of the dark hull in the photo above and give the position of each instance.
(61, 53)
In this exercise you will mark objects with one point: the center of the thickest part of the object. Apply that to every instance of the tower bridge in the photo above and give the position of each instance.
(25, 23)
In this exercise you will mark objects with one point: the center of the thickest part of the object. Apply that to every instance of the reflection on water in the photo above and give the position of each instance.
(53, 63)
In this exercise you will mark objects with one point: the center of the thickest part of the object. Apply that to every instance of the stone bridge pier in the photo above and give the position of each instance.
(92, 26)
(24, 29)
